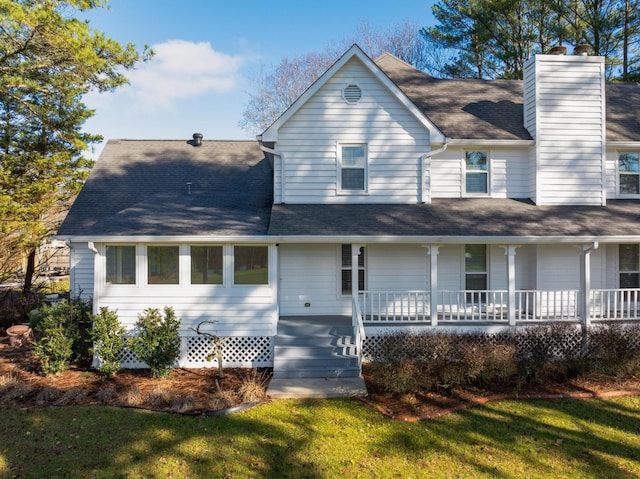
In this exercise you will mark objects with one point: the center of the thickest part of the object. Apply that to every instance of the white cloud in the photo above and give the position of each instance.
(181, 70)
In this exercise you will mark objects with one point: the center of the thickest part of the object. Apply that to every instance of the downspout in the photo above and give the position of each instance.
(423, 171)
(585, 286)
(282, 172)
(96, 297)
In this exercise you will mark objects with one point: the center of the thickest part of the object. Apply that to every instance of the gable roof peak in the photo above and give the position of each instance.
(271, 133)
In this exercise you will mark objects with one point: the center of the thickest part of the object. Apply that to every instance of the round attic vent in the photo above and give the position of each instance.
(352, 94)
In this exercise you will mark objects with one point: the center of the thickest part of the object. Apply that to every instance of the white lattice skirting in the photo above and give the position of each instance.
(237, 352)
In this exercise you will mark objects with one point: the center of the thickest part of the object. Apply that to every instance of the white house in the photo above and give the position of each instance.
(383, 196)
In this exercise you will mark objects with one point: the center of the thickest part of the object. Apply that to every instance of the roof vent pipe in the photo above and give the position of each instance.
(197, 139)
(558, 50)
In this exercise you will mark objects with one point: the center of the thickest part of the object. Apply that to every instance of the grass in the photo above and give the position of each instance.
(325, 439)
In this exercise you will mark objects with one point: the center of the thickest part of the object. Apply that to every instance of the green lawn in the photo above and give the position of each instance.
(325, 439)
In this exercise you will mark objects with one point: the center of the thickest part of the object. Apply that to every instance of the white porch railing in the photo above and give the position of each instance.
(614, 304)
(473, 306)
(358, 329)
(395, 306)
(547, 305)
(402, 307)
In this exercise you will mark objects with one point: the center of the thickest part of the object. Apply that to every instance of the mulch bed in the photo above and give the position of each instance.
(199, 391)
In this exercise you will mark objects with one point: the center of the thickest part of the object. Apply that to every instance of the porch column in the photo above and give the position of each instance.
(585, 282)
(433, 251)
(510, 252)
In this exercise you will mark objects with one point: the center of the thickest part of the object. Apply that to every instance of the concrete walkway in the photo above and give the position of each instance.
(316, 388)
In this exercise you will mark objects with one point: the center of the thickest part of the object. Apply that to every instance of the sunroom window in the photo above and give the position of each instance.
(353, 168)
(629, 173)
(206, 264)
(250, 265)
(121, 264)
(163, 264)
(476, 172)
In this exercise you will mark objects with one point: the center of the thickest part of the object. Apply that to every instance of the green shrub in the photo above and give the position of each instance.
(109, 339)
(614, 349)
(56, 332)
(157, 341)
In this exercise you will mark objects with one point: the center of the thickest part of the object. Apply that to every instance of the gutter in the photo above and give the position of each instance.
(380, 239)
(423, 170)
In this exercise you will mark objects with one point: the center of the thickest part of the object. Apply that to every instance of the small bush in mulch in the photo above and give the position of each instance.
(405, 363)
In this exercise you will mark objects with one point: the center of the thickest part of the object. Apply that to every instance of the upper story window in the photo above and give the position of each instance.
(206, 264)
(353, 168)
(476, 172)
(250, 265)
(163, 264)
(629, 173)
(121, 264)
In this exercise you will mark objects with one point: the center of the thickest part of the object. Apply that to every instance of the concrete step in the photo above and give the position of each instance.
(317, 352)
(318, 340)
(280, 388)
(315, 372)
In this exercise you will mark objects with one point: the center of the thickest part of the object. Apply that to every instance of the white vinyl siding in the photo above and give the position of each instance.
(567, 97)
(509, 175)
(309, 140)
(309, 280)
(81, 272)
(239, 310)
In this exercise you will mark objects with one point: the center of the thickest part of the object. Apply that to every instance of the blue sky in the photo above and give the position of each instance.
(207, 52)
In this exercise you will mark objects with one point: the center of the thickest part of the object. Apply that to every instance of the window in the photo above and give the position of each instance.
(121, 264)
(629, 173)
(476, 172)
(353, 165)
(629, 265)
(345, 269)
(250, 265)
(162, 264)
(475, 267)
(206, 265)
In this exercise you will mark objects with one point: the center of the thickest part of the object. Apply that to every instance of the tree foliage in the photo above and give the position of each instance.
(48, 60)
(493, 39)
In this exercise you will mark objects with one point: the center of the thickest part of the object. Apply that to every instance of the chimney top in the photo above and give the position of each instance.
(582, 50)
(558, 50)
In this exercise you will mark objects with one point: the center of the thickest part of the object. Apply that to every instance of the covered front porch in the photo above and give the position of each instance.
(497, 307)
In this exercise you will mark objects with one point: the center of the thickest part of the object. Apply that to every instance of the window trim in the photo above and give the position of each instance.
(465, 171)
(339, 147)
(620, 194)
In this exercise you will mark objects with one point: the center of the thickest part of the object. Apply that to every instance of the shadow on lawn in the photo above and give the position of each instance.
(558, 438)
(318, 439)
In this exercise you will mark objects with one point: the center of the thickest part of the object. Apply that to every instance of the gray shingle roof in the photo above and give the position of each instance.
(493, 109)
(140, 188)
(491, 217)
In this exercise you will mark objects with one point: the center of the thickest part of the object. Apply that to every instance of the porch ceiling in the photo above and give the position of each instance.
(489, 217)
